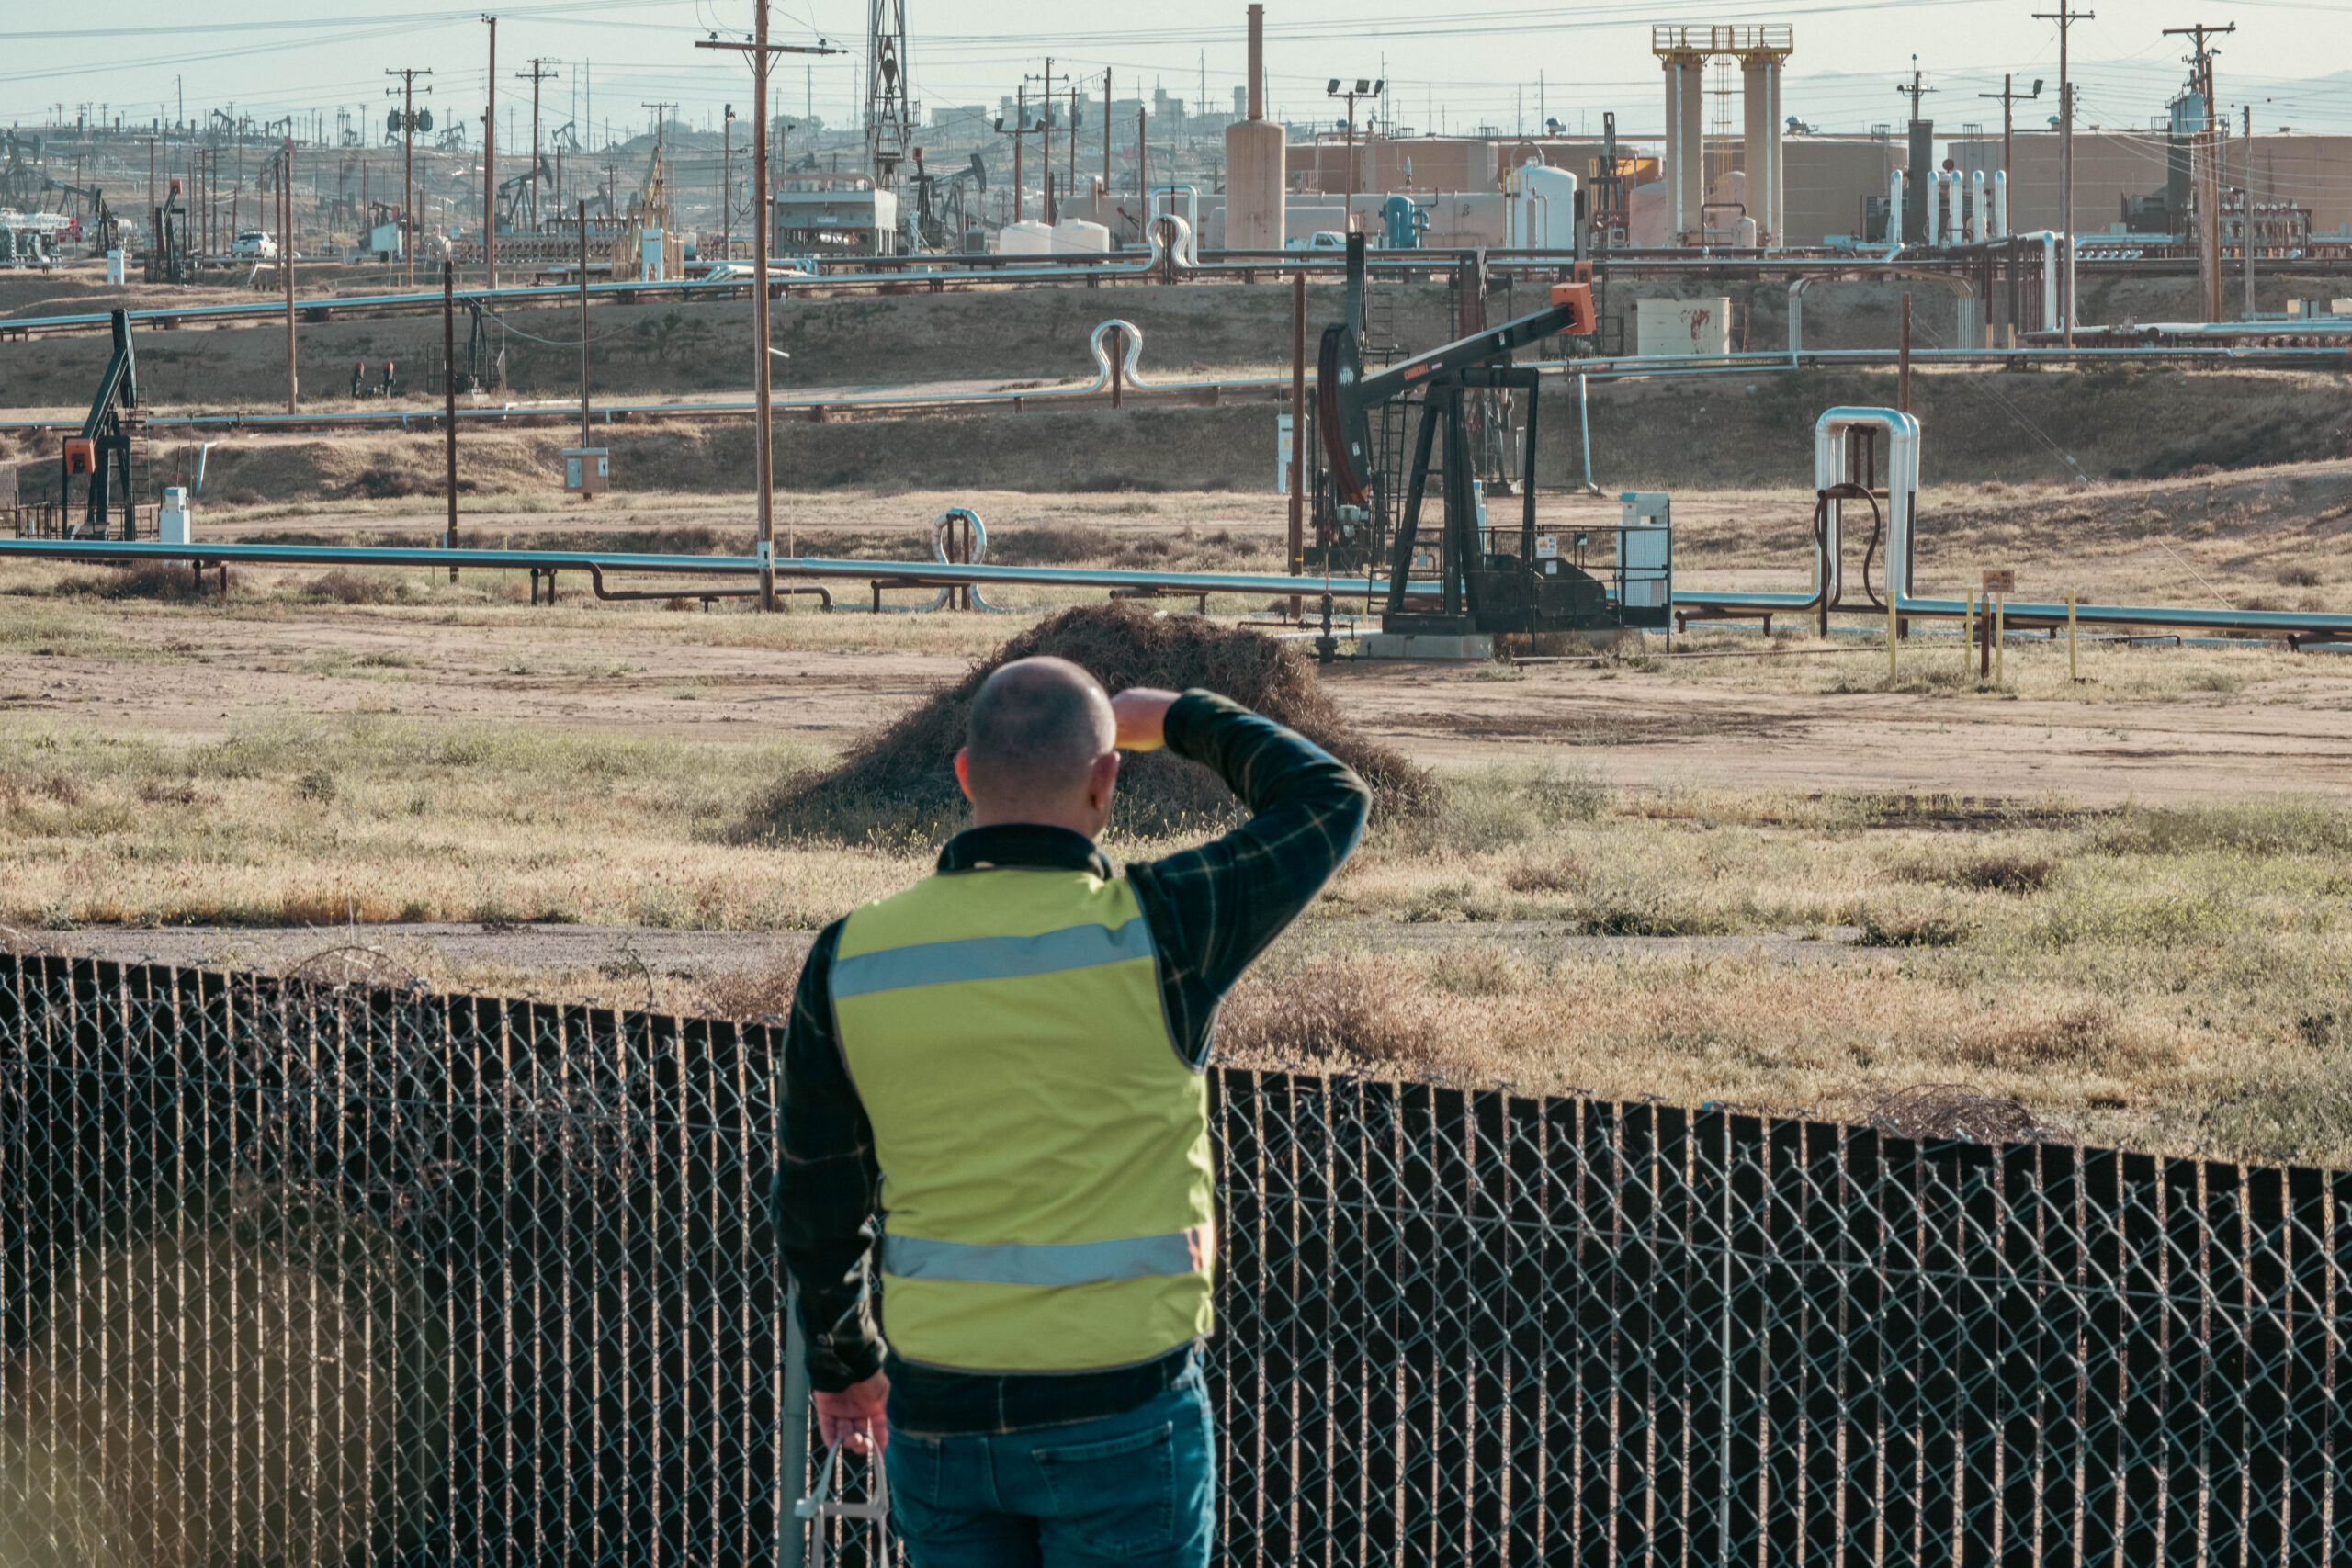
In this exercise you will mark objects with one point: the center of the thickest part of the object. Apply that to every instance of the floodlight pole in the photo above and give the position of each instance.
(1363, 89)
(764, 411)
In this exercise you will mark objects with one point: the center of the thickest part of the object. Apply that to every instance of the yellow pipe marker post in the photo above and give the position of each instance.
(2000, 630)
(1968, 632)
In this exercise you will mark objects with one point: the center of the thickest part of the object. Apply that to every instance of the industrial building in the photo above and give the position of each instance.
(2113, 168)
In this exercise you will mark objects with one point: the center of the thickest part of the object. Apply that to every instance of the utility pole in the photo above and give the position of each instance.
(449, 398)
(2065, 16)
(2010, 99)
(1044, 145)
(727, 185)
(1106, 137)
(2209, 163)
(2248, 236)
(490, 163)
(537, 74)
(285, 260)
(764, 411)
(584, 323)
(1917, 220)
(408, 168)
(1020, 115)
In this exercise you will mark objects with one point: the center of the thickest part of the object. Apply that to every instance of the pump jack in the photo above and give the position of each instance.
(1480, 588)
(101, 453)
(171, 256)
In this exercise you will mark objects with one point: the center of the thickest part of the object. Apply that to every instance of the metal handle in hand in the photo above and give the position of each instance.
(821, 1504)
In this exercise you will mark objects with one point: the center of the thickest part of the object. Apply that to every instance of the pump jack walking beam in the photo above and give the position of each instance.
(102, 451)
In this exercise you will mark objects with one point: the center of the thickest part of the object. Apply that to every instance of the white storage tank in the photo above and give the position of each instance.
(1681, 327)
(1026, 238)
(1077, 237)
(1543, 211)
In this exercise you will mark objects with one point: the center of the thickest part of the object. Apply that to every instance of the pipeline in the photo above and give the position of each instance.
(1173, 257)
(1627, 368)
(823, 595)
(2274, 622)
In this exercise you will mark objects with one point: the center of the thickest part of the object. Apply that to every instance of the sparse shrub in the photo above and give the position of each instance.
(1479, 970)
(2286, 826)
(317, 785)
(348, 587)
(384, 484)
(747, 994)
(1574, 794)
(2158, 917)
(2296, 1108)
(1883, 927)
(1995, 871)
(2298, 577)
(167, 791)
(145, 580)
(1359, 1011)
(2080, 1032)
(1544, 877)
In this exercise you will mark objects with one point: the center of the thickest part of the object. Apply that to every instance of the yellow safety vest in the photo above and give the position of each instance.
(1046, 1187)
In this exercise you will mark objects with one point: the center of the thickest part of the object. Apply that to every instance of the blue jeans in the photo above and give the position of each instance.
(1135, 1490)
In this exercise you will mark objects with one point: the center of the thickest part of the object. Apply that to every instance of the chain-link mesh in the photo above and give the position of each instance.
(305, 1275)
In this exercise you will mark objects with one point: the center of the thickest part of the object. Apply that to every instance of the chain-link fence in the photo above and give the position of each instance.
(298, 1274)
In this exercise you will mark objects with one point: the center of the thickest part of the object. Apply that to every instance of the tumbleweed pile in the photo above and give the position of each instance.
(898, 786)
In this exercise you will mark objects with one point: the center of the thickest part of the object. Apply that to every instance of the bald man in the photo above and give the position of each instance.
(995, 1187)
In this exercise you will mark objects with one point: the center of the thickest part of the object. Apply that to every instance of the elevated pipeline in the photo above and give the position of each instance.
(1621, 368)
(2273, 622)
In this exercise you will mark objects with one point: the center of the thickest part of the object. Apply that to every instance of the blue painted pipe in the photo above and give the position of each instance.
(2276, 622)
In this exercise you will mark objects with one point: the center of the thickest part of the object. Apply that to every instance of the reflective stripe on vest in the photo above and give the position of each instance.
(1046, 1184)
(1047, 1263)
(989, 958)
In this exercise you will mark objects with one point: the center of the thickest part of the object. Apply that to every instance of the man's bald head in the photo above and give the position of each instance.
(1037, 730)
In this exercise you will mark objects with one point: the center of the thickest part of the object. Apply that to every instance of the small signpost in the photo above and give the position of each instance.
(1998, 585)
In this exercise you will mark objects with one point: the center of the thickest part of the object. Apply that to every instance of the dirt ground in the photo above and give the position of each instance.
(196, 671)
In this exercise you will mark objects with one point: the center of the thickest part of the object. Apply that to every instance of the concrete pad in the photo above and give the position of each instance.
(1475, 648)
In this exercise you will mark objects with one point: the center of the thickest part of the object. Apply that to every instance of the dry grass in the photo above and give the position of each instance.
(2171, 978)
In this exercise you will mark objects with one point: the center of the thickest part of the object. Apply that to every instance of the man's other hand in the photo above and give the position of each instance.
(1142, 712)
(855, 1414)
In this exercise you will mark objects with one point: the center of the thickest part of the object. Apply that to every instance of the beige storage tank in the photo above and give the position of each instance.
(1253, 162)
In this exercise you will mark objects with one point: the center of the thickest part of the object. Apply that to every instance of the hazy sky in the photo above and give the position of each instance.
(1452, 67)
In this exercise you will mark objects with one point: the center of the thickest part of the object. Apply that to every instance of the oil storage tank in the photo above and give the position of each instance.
(1253, 161)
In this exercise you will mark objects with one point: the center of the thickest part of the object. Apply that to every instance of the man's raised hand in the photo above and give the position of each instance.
(1142, 713)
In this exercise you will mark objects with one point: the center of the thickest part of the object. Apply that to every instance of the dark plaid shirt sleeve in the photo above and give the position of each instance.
(1214, 910)
(827, 1201)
